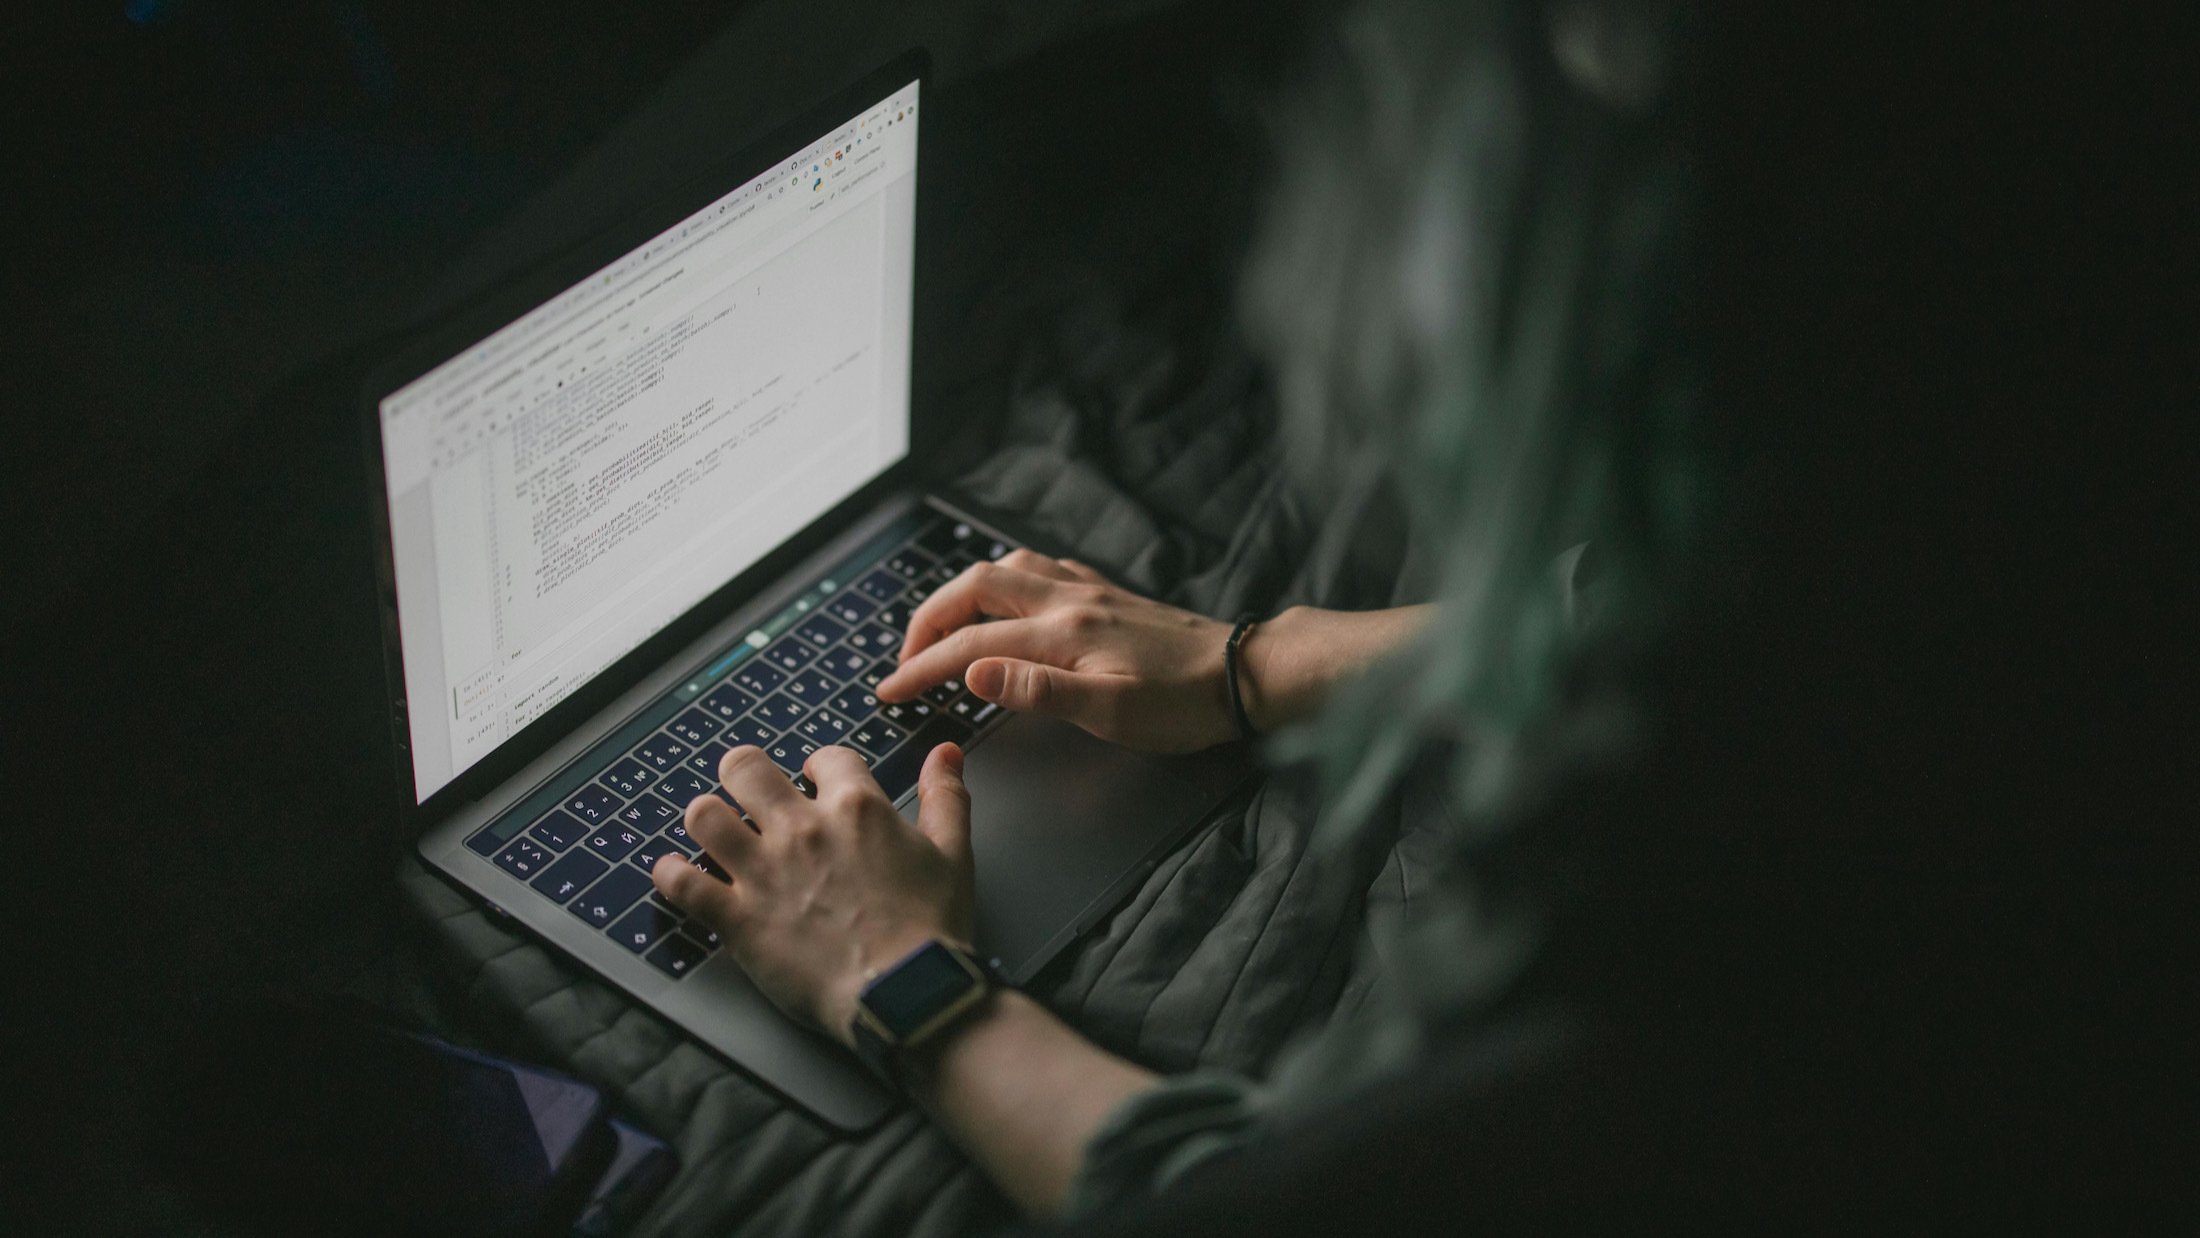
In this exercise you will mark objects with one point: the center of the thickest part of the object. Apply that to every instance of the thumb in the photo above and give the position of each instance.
(1034, 688)
(943, 803)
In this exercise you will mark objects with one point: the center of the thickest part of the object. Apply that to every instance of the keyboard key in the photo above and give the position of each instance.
(695, 726)
(749, 730)
(683, 785)
(938, 576)
(628, 778)
(703, 934)
(648, 814)
(524, 859)
(779, 712)
(851, 607)
(894, 616)
(898, 772)
(908, 564)
(759, 677)
(569, 876)
(812, 687)
(592, 804)
(660, 752)
(971, 709)
(645, 856)
(946, 537)
(676, 956)
(855, 702)
(878, 672)
(908, 715)
(605, 900)
(485, 844)
(803, 784)
(710, 868)
(612, 842)
(820, 631)
(943, 694)
(789, 654)
(875, 639)
(677, 832)
(559, 830)
(703, 762)
(843, 663)
(882, 585)
(644, 927)
(789, 752)
(824, 727)
(726, 702)
(876, 736)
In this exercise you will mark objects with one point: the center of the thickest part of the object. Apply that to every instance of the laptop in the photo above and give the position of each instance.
(656, 499)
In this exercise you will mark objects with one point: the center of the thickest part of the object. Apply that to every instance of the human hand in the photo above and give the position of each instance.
(826, 893)
(1068, 644)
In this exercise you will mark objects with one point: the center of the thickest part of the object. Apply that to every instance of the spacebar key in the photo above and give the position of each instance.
(898, 772)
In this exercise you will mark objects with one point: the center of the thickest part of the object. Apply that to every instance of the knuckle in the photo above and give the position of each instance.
(1035, 688)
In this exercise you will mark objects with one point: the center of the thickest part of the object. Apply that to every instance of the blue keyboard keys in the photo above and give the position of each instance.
(894, 615)
(909, 714)
(750, 731)
(759, 677)
(824, 727)
(569, 876)
(603, 902)
(779, 712)
(789, 654)
(812, 687)
(790, 751)
(676, 956)
(628, 778)
(592, 804)
(726, 702)
(854, 702)
(559, 830)
(695, 727)
(683, 785)
(613, 842)
(644, 927)
(882, 585)
(820, 632)
(661, 752)
(945, 537)
(655, 846)
(878, 672)
(524, 859)
(647, 813)
(908, 563)
(851, 608)
(704, 761)
(843, 664)
(875, 639)
(876, 736)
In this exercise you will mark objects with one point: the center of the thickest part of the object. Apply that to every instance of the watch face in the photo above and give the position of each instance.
(918, 988)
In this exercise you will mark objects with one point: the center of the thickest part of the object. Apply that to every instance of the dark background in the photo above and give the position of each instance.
(217, 210)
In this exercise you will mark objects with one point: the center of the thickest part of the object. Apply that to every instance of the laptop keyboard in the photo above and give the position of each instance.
(810, 687)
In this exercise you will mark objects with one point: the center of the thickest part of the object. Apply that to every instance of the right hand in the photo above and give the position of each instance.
(1067, 644)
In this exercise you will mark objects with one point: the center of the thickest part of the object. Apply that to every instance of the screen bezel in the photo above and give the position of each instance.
(432, 345)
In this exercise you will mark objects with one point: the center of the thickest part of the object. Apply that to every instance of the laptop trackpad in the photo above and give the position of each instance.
(1064, 825)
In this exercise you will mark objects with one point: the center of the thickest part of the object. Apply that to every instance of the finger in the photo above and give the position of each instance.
(836, 769)
(713, 824)
(1035, 688)
(982, 589)
(692, 891)
(1010, 638)
(1035, 563)
(943, 803)
(1082, 572)
(762, 789)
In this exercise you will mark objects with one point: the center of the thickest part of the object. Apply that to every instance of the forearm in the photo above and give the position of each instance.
(1292, 662)
(1022, 1094)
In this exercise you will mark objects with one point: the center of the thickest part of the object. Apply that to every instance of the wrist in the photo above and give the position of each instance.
(1268, 673)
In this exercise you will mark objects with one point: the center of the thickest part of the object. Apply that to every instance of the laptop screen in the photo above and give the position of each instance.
(576, 481)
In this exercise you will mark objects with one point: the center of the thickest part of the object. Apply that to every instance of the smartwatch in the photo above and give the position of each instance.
(931, 989)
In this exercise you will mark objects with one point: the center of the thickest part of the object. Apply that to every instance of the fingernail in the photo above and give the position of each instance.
(987, 679)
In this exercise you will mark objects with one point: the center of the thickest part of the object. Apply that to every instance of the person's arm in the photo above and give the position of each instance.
(824, 894)
(1063, 641)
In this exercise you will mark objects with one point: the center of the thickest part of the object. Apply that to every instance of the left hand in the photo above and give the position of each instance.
(826, 893)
